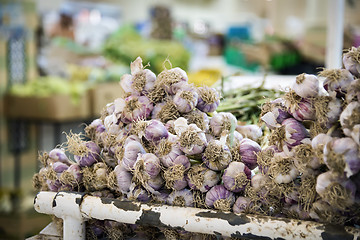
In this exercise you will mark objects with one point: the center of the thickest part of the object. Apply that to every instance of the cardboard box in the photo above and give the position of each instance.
(54, 108)
(103, 94)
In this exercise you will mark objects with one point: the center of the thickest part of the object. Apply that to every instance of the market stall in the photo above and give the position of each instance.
(197, 120)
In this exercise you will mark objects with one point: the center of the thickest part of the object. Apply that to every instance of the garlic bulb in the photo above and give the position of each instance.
(338, 80)
(192, 139)
(140, 80)
(217, 155)
(251, 131)
(350, 121)
(341, 155)
(306, 85)
(236, 177)
(209, 99)
(172, 80)
(223, 121)
(186, 99)
(220, 198)
(351, 61)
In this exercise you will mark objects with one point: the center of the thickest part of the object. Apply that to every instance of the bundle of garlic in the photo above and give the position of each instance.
(310, 166)
(162, 142)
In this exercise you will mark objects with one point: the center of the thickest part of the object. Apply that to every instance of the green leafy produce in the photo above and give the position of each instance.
(50, 86)
(126, 44)
(245, 102)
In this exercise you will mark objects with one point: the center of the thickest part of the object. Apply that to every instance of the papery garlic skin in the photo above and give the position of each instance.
(258, 181)
(58, 154)
(306, 85)
(155, 131)
(338, 80)
(138, 193)
(168, 156)
(182, 198)
(304, 110)
(172, 80)
(242, 205)
(123, 178)
(327, 180)
(335, 110)
(295, 132)
(59, 167)
(154, 184)
(112, 124)
(221, 122)
(251, 131)
(219, 160)
(150, 164)
(282, 168)
(75, 171)
(287, 178)
(274, 113)
(320, 140)
(218, 193)
(140, 80)
(192, 139)
(132, 149)
(342, 155)
(353, 93)
(248, 150)
(350, 62)
(199, 118)
(134, 108)
(209, 99)
(233, 173)
(186, 100)
(209, 178)
(90, 157)
(350, 121)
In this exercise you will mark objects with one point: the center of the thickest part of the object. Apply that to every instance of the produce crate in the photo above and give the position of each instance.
(102, 94)
(54, 108)
(76, 208)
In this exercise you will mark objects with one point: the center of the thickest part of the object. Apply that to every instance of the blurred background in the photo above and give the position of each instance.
(61, 61)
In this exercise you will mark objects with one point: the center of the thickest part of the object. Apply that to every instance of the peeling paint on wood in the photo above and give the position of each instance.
(188, 219)
(78, 200)
(124, 205)
(249, 236)
(233, 219)
(150, 218)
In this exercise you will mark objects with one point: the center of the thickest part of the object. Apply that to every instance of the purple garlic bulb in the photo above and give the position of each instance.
(172, 80)
(58, 154)
(186, 99)
(209, 99)
(155, 131)
(295, 132)
(220, 198)
(134, 108)
(304, 111)
(236, 177)
(217, 155)
(89, 156)
(201, 178)
(248, 150)
(351, 61)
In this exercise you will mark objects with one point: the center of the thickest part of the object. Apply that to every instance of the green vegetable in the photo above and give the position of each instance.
(245, 102)
(126, 44)
(50, 86)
